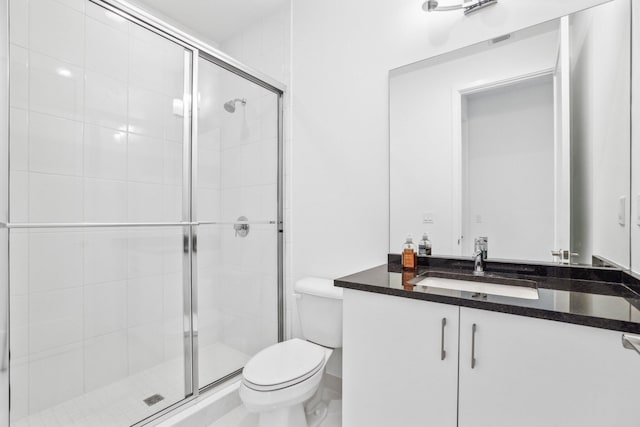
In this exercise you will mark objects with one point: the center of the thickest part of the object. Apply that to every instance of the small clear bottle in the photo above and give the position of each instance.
(424, 246)
(409, 255)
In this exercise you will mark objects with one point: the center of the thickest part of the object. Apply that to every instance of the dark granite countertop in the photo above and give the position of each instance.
(600, 304)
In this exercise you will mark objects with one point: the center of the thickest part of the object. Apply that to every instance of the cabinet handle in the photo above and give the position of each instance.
(443, 353)
(632, 342)
(473, 345)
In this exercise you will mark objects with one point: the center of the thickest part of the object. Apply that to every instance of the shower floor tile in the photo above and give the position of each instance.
(122, 403)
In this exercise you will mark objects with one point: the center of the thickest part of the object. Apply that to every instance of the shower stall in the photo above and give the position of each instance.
(142, 218)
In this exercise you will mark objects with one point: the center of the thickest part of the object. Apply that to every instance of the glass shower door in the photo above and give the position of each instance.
(97, 260)
(236, 207)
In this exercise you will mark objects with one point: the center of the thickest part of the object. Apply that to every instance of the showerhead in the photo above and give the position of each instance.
(230, 105)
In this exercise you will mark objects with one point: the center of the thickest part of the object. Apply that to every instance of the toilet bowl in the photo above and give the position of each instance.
(283, 383)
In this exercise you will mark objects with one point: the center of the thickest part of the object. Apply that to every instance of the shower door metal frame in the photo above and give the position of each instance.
(197, 49)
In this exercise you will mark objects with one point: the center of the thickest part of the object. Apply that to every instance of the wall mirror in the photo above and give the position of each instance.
(524, 139)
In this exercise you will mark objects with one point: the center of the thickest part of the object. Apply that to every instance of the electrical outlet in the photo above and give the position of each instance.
(427, 218)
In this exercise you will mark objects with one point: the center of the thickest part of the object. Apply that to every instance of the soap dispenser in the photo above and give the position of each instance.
(409, 256)
(424, 247)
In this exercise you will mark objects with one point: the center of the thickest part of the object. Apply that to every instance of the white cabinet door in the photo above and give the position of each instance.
(532, 373)
(393, 371)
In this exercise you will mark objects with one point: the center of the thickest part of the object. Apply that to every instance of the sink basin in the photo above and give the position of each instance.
(525, 289)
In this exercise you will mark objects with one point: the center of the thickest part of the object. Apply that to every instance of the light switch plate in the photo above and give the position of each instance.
(622, 208)
(427, 218)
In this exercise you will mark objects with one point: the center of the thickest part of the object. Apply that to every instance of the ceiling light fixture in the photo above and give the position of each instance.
(468, 6)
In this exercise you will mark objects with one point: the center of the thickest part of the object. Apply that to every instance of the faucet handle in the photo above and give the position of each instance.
(481, 243)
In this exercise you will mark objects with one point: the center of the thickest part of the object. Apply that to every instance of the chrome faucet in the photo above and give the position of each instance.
(480, 247)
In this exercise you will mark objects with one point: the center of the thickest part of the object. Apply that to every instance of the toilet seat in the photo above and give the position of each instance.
(283, 365)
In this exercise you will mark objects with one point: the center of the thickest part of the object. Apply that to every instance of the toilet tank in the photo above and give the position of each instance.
(320, 311)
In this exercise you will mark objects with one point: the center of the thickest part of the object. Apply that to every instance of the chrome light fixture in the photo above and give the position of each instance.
(468, 6)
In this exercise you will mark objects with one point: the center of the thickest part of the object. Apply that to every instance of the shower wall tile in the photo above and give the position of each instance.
(105, 101)
(107, 17)
(19, 77)
(172, 159)
(55, 87)
(19, 388)
(55, 376)
(146, 202)
(55, 261)
(145, 160)
(145, 346)
(19, 196)
(19, 312)
(55, 198)
(146, 56)
(105, 360)
(144, 300)
(55, 145)
(104, 308)
(148, 112)
(55, 319)
(19, 262)
(56, 30)
(105, 256)
(106, 49)
(19, 139)
(19, 18)
(105, 153)
(105, 200)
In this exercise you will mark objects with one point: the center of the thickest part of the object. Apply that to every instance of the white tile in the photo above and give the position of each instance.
(148, 111)
(55, 261)
(19, 262)
(55, 376)
(19, 77)
(105, 101)
(74, 4)
(19, 388)
(107, 17)
(105, 200)
(106, 49)
(146, 346)
(105, 153)
(144, 300)
(19, 19)
(145, 254)
(19, 326)
(105, 360)
(173, 163)
(209, 168)
(172, 251)
(19, 138)
(105, 308)
(55, 145)
(172, 202)
(146, 203)
(56, 30)
(105, 256)
(55, 87)
(208, 206)
(55, 319)
(146, 59)
(145, 159)
(55, 198)
(232, 167)
(19, 196)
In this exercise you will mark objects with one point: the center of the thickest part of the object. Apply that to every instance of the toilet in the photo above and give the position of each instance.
(283, 382)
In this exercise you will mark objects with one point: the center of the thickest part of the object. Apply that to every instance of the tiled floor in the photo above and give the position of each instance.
(121, 403)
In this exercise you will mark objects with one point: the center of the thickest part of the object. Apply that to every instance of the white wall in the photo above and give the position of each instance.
(341, 55)
(424, 156)
(601, 92)
(635, 142)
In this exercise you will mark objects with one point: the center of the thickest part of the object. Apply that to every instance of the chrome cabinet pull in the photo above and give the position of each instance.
(631, 342)
(443, 353)
(473, 345)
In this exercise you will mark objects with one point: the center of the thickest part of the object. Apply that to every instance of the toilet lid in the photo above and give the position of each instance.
(283, 364)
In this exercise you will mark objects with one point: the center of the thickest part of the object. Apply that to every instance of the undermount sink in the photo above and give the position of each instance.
(525, 289)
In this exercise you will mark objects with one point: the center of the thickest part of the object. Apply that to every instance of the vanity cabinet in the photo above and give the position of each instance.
(530, 372)
(394, 370)
(527, 371)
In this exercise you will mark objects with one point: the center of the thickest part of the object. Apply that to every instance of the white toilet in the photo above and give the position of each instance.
(283, 382)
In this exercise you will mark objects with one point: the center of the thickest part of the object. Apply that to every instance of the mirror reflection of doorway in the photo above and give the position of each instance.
(508, 169)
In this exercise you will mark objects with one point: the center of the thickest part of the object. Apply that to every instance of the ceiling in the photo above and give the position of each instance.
(216, 20)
